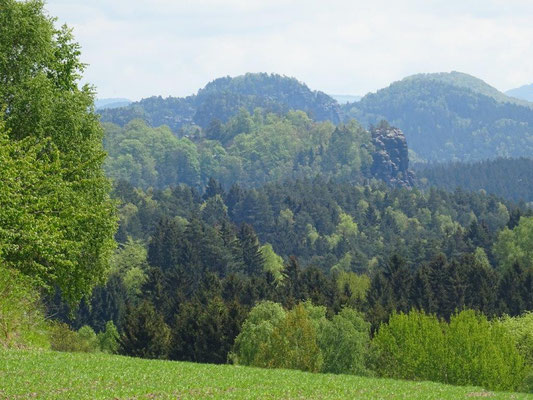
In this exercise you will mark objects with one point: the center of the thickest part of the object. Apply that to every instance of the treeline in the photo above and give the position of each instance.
(251, 149)
(507, 178)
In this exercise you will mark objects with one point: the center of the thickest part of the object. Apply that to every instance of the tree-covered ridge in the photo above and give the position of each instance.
(251, 149)
(466, 81)
(507, 178)
(222, 98)
(444, 120)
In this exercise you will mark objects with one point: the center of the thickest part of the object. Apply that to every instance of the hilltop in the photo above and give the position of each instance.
(222, 98)
(451, 117)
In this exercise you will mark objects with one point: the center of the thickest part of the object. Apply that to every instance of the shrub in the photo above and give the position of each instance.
(62, 338)
(344, 342)
(410, 346)
(22, 322)
(108, 339)
(469, 350)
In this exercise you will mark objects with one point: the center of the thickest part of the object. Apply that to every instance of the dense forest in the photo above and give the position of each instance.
(222, 98)
(250, 233)
(445, 117)
(508, 178)
(256, 149)
(451, 117)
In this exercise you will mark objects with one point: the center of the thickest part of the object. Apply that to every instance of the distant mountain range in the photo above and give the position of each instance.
(445, 116)
(117, 102)
(523, 92)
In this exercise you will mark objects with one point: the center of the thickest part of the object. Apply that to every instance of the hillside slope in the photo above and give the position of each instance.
(451, 117)
(50, 375)
(510, 179)
(222, 98)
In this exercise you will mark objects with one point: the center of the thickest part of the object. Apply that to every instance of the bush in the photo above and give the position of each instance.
(108, 339)
(521, 329)
(344, 342)
(22, 322)
(410, 346)
(62, 338)
(469, 350)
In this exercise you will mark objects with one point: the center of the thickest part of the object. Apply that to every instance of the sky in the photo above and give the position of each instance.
(141, 48)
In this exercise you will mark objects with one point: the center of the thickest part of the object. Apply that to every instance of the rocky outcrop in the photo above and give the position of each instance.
(391, 157)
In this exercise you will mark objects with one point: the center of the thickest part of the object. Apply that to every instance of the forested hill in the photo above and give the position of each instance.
(508, 178)
(222, 98)
(447, 117)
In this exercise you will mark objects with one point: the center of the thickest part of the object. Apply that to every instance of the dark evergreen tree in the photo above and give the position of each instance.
(144, 333)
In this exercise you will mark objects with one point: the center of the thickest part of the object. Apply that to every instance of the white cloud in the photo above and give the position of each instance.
(141, 48)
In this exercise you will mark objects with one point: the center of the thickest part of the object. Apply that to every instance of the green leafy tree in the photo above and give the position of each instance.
(293, 344)
(344, 343)
(256, 332)
(57, 220)
(516, 245)
(22, 321)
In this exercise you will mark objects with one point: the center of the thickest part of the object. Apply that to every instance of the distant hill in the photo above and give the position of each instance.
(222, 98)
(102, 104)
(511, 179)
(523, 92)
(451, 117)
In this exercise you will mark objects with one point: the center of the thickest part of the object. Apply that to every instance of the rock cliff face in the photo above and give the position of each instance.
(391, 159)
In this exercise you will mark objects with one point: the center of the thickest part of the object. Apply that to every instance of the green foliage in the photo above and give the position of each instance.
(344, 343)
(469, 350)
(272, 262)
(144, 333)
(293, 344)
(483, 353)
(449, 117)
(62, 338)
(410, 346)
(516, 246)
(22, 323)
(502, 177)
(249, 149)
(57, 221)
(353, 285)
(89, 339)
(109, 339)
(256, 332)
(129, 263)
(521, 330)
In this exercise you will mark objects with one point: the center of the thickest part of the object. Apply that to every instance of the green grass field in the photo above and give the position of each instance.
(51, 375)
